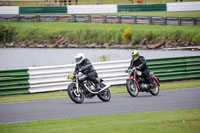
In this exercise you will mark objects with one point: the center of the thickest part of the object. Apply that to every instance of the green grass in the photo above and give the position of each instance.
(114, 90)
(97, 33)
(176, 121)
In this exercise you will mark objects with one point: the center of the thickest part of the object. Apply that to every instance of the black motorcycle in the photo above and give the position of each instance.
(81, 88)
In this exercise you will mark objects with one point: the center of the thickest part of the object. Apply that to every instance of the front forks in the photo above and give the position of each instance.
(77, 91)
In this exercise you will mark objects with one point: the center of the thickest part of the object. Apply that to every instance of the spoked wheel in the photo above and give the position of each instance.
(75, 96)
(105, 95)
(155, 90)
(132, 88)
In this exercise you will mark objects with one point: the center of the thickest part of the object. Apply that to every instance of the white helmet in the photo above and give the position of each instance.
(79, 58)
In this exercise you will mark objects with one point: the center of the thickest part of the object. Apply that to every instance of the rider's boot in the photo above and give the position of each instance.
(150, 82)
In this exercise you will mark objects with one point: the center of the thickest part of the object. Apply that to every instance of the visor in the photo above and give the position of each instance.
(134, 56)
(78, 59)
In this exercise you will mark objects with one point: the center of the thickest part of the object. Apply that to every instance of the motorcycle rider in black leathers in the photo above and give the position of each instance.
(84, 66)
(140, 63)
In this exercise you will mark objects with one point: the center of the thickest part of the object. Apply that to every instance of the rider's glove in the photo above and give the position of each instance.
(138, 68)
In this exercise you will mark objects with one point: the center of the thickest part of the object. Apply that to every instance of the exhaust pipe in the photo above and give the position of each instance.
(104, 88)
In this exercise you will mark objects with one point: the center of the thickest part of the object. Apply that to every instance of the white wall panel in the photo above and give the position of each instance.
(83, 9)
(9, 10)
(183, 6)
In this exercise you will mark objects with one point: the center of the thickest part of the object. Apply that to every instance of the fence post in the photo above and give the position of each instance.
(135, 21)
(150, 20)
(119, 19)
(73, 18)
(38, 18)
(104, 18)
(18, 18)
(89, 18)
(179, 21)
(165, 21)
(194, 21)
(57, 18)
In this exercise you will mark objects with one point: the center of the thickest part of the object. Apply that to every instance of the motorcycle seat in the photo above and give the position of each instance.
(99, 79)
(151, 73)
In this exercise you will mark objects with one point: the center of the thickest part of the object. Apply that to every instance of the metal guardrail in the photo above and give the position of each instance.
(151, 20)
(14, 81)
(53, 78)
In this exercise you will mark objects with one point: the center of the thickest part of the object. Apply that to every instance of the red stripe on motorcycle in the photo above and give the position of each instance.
(137, 85)
(156, 80)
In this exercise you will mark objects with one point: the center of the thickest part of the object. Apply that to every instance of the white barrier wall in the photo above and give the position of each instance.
(83, 9)
(9, 10)
(52, 78)
(183, 6)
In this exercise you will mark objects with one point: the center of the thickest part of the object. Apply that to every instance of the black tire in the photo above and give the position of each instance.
(132, 88)
(75, 97)
(105, 95)
(155, 90)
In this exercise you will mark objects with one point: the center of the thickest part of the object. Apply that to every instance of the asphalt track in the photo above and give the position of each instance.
(119, 103)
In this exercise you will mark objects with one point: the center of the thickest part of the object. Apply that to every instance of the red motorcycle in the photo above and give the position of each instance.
(136, 83)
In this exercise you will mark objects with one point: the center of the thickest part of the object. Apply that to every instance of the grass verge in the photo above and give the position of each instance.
(95, 33)
(176, 121)
(114, 90)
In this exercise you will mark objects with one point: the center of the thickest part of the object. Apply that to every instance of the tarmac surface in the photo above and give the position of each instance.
(119, 103)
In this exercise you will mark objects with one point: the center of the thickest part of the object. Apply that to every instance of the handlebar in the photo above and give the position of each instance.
(130, 71)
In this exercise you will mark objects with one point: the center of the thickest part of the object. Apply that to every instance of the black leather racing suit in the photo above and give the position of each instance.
(141, 64)
(87, 68)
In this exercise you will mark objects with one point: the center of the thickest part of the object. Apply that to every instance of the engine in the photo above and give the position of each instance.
(141, 80)
(89, 85)
(144, 86)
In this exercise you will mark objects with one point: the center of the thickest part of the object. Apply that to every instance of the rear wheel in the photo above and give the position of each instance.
(155, 90)
(75, 96)
(132, 88)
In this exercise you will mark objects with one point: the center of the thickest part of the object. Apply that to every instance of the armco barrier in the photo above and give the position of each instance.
(14, 82)
(82, 18)
(52, 78)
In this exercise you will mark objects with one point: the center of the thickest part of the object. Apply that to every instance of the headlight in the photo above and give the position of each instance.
(70, 76)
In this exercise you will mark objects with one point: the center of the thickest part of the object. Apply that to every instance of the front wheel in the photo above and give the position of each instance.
(104, 95)
(155, 90)
(75, 96)
(132, 88)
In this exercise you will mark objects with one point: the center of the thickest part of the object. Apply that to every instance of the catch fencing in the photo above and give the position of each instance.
(80, 18)
(54, 78)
